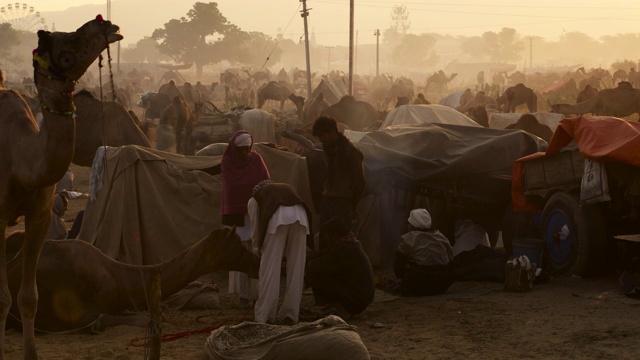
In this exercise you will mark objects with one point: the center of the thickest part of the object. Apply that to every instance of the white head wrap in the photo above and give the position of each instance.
(243, 140)
(420, 218)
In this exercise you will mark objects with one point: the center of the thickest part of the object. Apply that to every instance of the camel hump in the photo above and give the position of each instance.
(528, 120)
(625, 84)
(348, 99)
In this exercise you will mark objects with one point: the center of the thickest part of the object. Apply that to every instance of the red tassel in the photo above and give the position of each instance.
(99, 17)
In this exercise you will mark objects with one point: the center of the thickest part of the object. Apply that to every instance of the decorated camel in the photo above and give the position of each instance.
(518, 95)
(101, 123)
(273, 90)
(75, 272)
(34, 159)
(621, 101)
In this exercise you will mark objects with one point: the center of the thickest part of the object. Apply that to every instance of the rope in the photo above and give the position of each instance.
(104, 141)
(278, 42)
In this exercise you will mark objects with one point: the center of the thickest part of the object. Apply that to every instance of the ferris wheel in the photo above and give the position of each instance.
(22, 17)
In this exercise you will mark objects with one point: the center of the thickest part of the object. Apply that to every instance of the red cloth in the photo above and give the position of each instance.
(599, 138)
(239, 175)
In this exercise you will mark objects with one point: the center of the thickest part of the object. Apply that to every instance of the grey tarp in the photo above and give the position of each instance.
(333, 91)
(153, 204)
(426, 114)
(462, 163)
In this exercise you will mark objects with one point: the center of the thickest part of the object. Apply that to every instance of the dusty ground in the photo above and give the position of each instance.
(566, 318)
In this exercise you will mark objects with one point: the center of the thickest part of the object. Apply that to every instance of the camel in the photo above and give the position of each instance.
(34, 159)
(518, 95)
(530, 124)
(621, 101)
(231, 82)
(315, 107)
(585, 94)
(278, 91)
(181, 119)
(618, 76)
(399, 90)
(479, 114)
(479, 99)
(74, 272)
(93, 131)
(356, 114)
(420, 99)
(402, 100)
(438, 81)
(466, 96)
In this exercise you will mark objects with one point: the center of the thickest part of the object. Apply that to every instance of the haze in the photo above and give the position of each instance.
(329, 19)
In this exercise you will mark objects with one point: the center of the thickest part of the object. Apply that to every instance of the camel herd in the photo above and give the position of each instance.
(35, 154)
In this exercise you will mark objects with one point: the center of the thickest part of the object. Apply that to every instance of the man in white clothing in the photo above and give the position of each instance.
(280, 223)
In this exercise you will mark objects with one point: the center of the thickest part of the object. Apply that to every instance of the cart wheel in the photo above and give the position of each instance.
(575, 236)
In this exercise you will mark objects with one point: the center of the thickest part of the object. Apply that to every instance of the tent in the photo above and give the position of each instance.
(426, 114)
(333, 91)
(153, 205)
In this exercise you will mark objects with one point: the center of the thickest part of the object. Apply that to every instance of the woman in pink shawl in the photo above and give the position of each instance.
(242, 169)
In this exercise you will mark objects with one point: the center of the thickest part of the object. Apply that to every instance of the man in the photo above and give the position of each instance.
(345, 180)
(280, 223)
(423, 258)
(341, 276)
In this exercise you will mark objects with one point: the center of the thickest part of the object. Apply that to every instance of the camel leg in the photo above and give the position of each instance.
(5, 296)
(35, 231)
(282, 104)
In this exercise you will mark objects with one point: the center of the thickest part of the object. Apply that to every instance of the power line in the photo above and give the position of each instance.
(492, 5)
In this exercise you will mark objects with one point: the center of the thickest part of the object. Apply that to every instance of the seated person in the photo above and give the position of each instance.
(341, 276)
(58, 229)
(423, 257)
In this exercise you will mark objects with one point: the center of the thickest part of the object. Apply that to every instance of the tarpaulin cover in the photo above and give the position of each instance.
(426, 114)
(435, 154)
(153, 204)
(598, 138)
(437, 151)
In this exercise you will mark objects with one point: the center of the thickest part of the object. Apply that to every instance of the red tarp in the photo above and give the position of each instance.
(599, 138)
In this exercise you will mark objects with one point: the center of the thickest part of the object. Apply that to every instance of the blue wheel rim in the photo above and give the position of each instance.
(559, 249)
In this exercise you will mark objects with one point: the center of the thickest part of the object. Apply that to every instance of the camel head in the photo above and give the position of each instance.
(227, 253)
(67, 56)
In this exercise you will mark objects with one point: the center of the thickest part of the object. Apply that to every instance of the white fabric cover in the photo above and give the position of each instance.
(469, 235)
(426, 114)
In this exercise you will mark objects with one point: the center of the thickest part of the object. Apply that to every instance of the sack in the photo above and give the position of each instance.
(329, 338)
(519, 274)
(425, 280)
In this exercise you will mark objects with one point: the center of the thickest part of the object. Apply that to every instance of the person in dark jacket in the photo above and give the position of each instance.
(341, 275)
(345, 179)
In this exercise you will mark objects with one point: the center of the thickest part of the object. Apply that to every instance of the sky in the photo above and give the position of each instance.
(329, 19)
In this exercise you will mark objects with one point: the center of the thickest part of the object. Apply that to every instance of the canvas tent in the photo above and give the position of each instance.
(153, 205)
(333, 91)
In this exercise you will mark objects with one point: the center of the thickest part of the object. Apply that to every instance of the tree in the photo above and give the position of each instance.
(194, 38)
(250, 48)
(145, 50)
(399, 25)
(415, 51)
(505, 46)
(8, 39)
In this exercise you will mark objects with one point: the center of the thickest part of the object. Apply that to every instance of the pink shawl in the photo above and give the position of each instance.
(239, 175)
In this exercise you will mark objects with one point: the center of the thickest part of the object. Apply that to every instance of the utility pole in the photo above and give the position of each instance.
(530, 52)
(328, 58)
(305, 14)
(377, 35)
(351, 47)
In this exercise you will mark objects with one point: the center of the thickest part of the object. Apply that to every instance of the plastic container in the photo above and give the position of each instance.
(531, 248)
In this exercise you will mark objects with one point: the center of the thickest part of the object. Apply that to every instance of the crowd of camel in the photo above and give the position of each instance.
(71, 121)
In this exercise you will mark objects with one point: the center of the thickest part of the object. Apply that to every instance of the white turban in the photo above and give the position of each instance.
(243, 140)
(420, 218)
